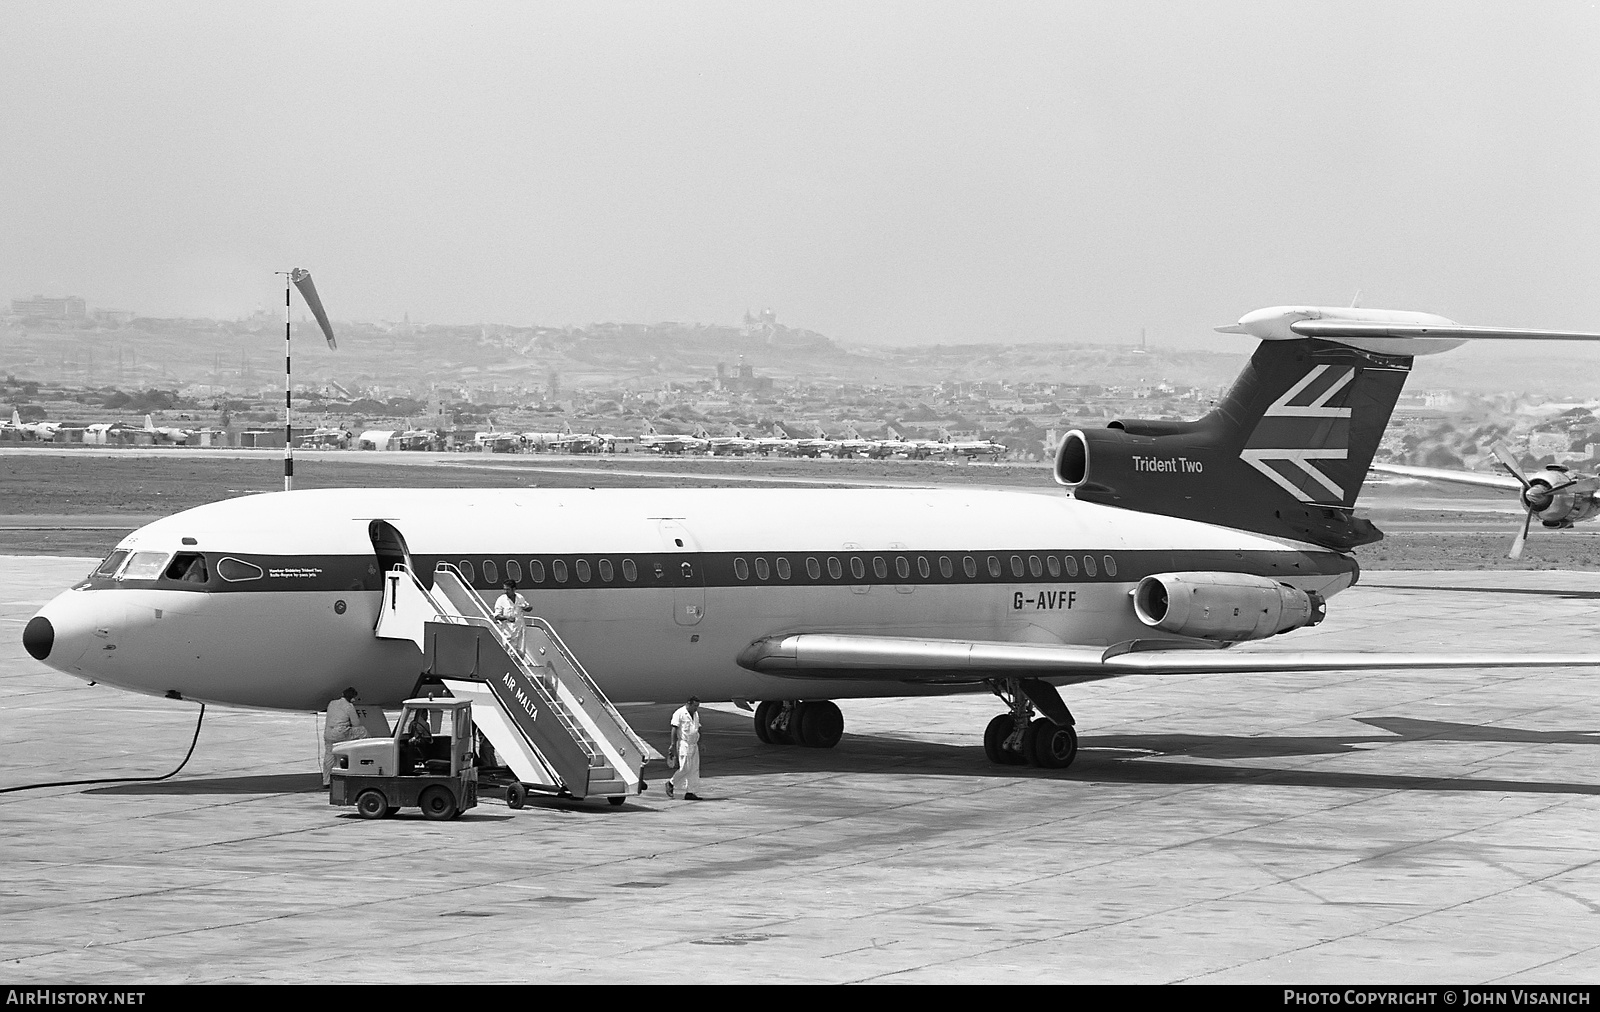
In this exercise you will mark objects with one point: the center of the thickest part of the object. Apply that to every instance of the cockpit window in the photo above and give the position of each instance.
(145, 566)
(189, 567)
(236, 570)
(108, 568)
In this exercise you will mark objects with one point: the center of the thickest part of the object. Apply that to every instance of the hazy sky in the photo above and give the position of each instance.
(896, 173)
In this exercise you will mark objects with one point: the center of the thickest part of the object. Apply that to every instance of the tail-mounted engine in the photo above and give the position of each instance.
(1226, 607)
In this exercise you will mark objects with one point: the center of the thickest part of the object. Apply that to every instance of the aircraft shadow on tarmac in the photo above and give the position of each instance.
(1137, 758)
(731, 750)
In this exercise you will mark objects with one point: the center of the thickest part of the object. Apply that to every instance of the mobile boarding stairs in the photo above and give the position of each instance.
(546, 718)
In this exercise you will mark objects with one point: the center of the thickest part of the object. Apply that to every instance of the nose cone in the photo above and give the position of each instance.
(38, 637)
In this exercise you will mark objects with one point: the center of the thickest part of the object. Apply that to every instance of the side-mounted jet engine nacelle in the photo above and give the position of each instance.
(1224, 606)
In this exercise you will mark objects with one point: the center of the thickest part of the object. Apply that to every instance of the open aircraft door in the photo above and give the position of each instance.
(683, 574)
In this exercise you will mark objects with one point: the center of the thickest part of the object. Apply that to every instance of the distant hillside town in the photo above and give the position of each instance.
(76, 373)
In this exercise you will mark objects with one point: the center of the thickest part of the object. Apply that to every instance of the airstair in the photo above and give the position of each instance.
(546, 718)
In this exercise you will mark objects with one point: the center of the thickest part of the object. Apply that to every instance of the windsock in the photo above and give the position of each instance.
(308, 291)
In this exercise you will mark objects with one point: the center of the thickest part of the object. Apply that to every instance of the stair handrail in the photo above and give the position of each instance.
(484, 620)
(590, 685)
(593, 687)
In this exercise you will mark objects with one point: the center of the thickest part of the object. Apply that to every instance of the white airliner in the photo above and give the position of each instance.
(1176, 540)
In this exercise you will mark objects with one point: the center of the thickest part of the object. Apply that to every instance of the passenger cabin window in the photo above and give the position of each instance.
(783, 568)
(835, 568)
(902, 565)
(741, 569)
(630, 572)
(467, 571)
(922, 567)
(514, 570)
(1072, 565)
(188, 567)
(1016, 565)
(238, 571)
(880, 568)
(1088, 565)
(947, 569)
(491, 572)
(969, 565)
(1111, 565)
(1035, 568)
(858, 569)
(1053, 564)
(814, 570)
(145, 566)
(763, 570)
(108, 568)
(994, 567)
(535, 570)
(583, 570)
(558, 569)
(606, 572)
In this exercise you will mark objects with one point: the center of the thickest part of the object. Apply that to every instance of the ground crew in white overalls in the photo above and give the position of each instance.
(343, 724)
(685, 755)
(508, 611)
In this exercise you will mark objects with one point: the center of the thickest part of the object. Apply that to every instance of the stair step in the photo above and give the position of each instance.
(598, 788)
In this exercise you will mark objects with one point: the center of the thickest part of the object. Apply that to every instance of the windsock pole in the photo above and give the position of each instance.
(301, 279)
(288, 394)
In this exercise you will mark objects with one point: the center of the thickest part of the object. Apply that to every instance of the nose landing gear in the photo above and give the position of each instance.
(1018, 738)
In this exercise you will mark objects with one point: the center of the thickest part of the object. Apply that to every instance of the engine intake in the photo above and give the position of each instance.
(1228, 607)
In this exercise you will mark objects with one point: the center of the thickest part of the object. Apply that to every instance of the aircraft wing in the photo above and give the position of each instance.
(850, 656)
(1482, 479)
(1358, 328)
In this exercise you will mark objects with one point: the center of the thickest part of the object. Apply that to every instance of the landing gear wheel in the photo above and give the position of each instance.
(994, 742)
(437, 804)
(765, 711)
(371, 804)
(1050, 746)
(821, 724)
(516, 796)
(617, 801)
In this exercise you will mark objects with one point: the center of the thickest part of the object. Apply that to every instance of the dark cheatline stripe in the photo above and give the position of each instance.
(994, 567)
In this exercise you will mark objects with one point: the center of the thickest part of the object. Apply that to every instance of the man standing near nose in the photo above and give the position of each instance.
(685, 754)
(343, 724)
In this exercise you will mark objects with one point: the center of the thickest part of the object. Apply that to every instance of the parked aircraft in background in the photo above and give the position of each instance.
(1177, 541)
(971, 447)
(1558, 497)
(41, 430)
(662, 442)
(735, 445)
(328, 438)
(499, 442)
(165, 433)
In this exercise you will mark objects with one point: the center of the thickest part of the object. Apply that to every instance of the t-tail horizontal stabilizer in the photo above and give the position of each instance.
(1285, 451)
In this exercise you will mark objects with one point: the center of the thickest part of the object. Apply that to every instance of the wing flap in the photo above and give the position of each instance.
(849, 656)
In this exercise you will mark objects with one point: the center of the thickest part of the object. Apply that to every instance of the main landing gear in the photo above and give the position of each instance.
(1018, 738)
(813, 723)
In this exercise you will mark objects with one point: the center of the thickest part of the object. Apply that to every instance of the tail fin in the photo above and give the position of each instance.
(1284, 453)
(149, 423)
(16, 418)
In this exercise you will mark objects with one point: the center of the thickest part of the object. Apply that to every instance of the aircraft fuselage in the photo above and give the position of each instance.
(656, 590)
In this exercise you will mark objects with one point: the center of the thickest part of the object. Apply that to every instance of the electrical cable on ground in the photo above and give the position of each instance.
(122, 780)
